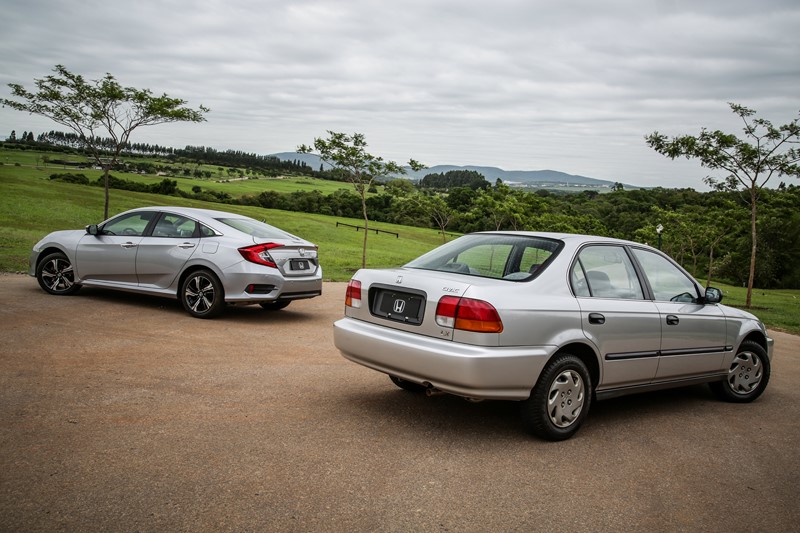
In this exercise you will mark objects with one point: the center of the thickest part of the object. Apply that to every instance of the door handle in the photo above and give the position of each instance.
(596, 318)
(186, 245)
(672, 320)
(128, 244)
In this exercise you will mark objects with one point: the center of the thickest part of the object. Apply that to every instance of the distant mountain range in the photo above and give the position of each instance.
(531, 178)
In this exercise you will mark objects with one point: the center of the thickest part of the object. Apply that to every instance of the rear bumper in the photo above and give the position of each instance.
(484, 372)
(271, 286)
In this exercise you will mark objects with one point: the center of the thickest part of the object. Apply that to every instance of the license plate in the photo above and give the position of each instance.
(300, 264)
(399, 306)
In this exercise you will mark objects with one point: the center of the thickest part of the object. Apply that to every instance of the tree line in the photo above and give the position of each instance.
(199, 155)
(707, 232)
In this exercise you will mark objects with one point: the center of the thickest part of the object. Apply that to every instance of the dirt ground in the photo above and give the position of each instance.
(122, 413)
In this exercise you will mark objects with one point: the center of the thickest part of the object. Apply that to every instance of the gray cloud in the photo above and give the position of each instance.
(572, 86)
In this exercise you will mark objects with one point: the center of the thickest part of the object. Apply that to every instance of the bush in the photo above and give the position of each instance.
(80, 179)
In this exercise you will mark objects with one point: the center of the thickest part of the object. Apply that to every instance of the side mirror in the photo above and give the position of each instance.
(713, 295)
(92, 229)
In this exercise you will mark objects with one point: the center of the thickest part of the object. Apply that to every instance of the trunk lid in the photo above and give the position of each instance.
(406, 299)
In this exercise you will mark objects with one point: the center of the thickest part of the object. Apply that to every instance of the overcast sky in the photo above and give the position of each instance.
(572, 86)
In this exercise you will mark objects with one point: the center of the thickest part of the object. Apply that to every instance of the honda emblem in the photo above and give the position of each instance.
(399, 306)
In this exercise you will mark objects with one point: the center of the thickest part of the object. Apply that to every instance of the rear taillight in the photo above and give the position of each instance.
(352, 297)
(259, 254)
(468, 315)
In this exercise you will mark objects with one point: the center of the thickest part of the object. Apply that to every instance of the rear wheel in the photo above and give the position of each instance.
(56, 275)
(560, 401)
(202, 295)
(747, 376)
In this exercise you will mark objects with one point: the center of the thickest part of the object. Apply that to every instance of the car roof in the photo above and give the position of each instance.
(190, 211)
(572, 238)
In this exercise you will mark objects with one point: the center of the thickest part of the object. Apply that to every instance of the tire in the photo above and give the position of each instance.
(56, 275)
(560, 401)
(409, 386)
(747, 377)
(277, 305)
(202, 295)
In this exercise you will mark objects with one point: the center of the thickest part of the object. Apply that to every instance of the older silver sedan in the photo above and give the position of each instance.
(553, 321)
(205, 258)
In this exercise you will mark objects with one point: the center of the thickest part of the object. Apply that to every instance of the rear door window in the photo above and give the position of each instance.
(605, 272)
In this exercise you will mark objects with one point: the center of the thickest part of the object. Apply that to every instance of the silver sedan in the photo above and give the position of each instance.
(205, 258)
(554, 321)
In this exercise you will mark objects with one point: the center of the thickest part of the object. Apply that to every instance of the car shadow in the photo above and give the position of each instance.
(489, 420)
(239, 313)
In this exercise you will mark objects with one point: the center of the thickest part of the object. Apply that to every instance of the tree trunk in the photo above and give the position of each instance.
(710, 265)
(105, 182)
(751, 279)
(366, 225)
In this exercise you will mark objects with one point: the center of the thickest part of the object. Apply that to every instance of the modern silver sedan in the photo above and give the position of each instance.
(205, 258)
(553, 321)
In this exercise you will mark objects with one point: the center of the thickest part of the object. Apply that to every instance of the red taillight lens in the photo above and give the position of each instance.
(446, 311)
(352, 297)
(468, 315)
(259, 254)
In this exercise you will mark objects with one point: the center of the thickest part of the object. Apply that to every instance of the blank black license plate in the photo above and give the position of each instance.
(400, 306)
(300, 264)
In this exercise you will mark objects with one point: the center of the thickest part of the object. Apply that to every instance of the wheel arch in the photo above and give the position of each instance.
(191, 270)
(755, 336)
(51, 249)
(587, 355)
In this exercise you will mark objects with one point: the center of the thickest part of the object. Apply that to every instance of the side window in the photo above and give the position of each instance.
(176, 226)
(205, 231)
(668, 282)
(132, 224)
(579, 281)
(605, 272)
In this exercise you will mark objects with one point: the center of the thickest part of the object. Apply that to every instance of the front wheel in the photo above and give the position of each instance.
(560, 400)
(56, 275)
(202, 295)
(747, 376)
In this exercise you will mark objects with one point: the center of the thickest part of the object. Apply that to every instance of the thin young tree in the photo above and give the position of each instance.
(348, 155)
(99, 110)
(765, 151)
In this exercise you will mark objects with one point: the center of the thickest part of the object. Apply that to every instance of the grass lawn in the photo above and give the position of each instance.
(778, 309)
(32, 205)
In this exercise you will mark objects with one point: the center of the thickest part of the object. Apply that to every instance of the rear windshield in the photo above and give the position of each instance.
(510, 257)
(255, 228)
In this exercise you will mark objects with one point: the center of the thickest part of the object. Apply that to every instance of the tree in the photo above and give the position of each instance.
(437, 211)
(765, 151)
(100, 107)
(348, 155)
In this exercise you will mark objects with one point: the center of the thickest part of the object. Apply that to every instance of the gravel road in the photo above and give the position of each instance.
(122, 413)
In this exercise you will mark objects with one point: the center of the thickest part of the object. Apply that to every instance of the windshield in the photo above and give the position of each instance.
(510, 257)
(255, 228)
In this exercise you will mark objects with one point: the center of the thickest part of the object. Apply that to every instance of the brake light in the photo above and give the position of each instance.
(259, 254)
(352, 297)
(468, 315)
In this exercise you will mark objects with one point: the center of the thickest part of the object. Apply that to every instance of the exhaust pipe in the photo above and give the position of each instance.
(433, 391)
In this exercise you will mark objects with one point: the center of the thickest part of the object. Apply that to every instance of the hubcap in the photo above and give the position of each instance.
(58, 275)
(565, 399)
(745, 373)
(199, 294)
